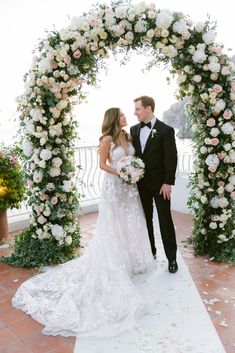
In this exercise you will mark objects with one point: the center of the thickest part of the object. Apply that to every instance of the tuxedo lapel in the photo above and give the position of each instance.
(138, 140)
(150, 138)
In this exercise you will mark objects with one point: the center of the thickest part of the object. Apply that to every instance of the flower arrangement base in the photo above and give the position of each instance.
(3, 225)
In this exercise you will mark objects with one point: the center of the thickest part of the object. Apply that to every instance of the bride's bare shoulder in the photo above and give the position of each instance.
(106, 139)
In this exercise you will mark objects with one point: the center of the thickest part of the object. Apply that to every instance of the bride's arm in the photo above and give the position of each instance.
(104, 154)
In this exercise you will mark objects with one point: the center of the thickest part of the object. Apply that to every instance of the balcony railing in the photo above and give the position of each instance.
(88, 177)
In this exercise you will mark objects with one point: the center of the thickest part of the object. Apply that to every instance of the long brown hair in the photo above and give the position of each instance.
(111, 125)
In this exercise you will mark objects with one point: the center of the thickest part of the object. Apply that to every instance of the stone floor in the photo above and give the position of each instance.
(215, 283)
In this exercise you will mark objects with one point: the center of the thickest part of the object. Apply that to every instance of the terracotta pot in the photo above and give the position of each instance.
(3, 224)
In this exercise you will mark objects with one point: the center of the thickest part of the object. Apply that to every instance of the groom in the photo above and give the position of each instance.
(154, 143)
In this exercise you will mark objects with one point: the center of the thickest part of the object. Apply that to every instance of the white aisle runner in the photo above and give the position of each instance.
(178, 321)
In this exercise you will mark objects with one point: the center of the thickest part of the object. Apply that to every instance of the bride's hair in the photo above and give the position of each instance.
(111, 125)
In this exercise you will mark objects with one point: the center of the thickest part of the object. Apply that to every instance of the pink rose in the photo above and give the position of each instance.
(214, 142)
(232, 195)
(227, 114)
(220, 183)
(37, 90)
(218, 51)
(28, 90)
(67, 59)
(54, 200)
(210, 122)
(217, 88)
(77, 54)
(43, 197)
(212, 168)
(30, 183)
(54, 65)
(233, 86)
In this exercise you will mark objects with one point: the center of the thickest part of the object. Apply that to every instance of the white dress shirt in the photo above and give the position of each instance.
(145, 132)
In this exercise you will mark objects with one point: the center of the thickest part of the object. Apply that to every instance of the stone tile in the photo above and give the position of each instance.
(40, 343)
(17, 348)
(26, 328)
(7, 338)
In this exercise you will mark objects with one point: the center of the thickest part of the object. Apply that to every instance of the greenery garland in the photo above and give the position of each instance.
(70, 58)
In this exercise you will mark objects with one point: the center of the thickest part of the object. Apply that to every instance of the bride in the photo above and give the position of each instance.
(94, 295)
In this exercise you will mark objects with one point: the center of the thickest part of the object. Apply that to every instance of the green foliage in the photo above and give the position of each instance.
(30, 252)
(12, 178)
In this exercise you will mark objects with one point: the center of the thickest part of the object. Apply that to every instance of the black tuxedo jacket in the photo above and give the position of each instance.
(159, 155)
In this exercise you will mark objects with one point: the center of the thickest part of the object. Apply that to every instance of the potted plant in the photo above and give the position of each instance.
(12, 187)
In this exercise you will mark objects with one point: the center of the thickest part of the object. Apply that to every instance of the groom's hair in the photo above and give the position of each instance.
(146, 101)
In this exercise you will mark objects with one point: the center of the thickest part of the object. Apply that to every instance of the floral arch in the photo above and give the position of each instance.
(70, 57)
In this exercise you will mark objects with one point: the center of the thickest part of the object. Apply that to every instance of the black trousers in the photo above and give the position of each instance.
(165, 221)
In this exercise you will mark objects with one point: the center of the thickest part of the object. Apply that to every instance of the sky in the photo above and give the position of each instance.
(23, 22)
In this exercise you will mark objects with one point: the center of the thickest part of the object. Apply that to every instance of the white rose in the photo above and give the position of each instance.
(227, 128)
(197, 78)
(203, 150)
(151, 14)
(182, 78)
(232, 179)
(67, 185)
(165, 33)
(203, 199)
(229, 187)
(214, 132)
(62, 104)
(199, 26)
(27, 148)
(120, 12)
(57, 232)
(47, 212)
(164, 19)
(68, 240)
(57, 162)
(55, 130)
(199, 56)
(220, 105)
(232, 156)
(223, 202)
(54, 172)
(172, 52)
(227, 146)
(42, 164)
(45, 154)
(37, 176)
(150, 33)
(29, 127)
(181, 27)
(213, 225)
(140, 26)
(129, 36)
(209, 37)
(212, 159)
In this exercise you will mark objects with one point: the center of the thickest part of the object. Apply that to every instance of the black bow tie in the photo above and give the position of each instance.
(149, 125)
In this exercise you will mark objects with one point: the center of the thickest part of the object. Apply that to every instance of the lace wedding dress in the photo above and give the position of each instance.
(94, 295)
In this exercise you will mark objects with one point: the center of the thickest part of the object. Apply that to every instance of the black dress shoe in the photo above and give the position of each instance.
(173, 266)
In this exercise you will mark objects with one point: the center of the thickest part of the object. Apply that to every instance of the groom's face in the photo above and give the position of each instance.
(141, 112)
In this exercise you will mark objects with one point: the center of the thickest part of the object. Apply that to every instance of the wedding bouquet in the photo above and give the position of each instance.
(130, 169)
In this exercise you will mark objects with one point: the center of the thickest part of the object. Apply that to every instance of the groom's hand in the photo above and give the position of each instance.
(165, 191)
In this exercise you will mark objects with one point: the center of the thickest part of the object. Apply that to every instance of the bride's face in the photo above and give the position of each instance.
(122, 120)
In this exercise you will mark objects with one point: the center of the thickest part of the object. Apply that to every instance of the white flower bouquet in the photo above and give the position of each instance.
(130, 169)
